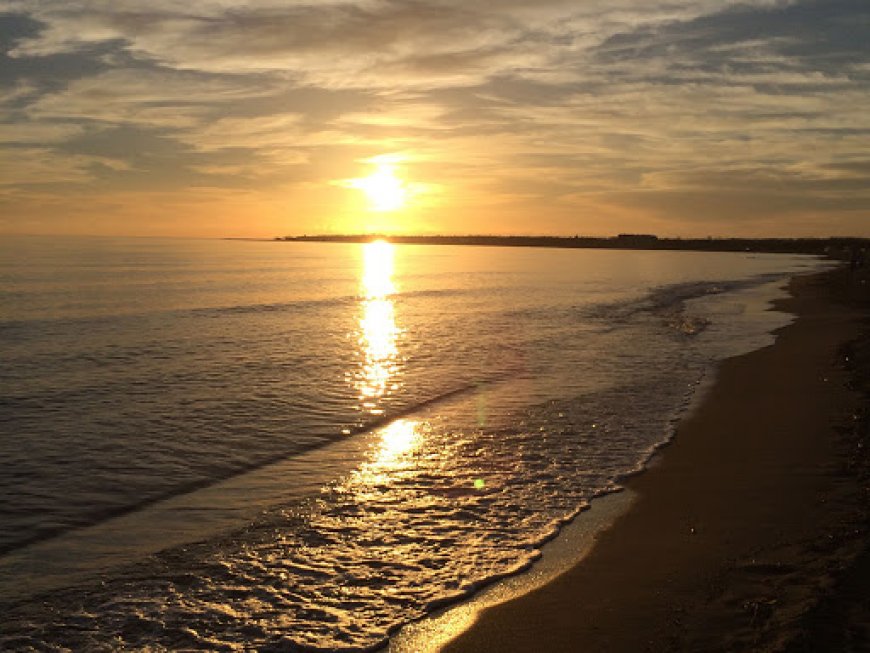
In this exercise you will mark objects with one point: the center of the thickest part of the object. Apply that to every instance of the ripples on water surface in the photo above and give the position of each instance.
(366, 431)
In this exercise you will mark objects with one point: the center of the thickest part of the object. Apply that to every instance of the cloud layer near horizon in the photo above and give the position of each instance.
(237, 118)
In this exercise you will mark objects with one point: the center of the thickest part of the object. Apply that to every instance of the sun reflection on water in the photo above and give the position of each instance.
(397, 439)
(377, 276)
(378, 332)
(391, 459)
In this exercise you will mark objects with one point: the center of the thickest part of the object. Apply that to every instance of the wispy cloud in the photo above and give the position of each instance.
(698, 117)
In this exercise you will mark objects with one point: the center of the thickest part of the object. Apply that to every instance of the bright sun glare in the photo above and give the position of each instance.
(383, 188)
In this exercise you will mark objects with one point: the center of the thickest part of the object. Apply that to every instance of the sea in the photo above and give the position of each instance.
(299, 446)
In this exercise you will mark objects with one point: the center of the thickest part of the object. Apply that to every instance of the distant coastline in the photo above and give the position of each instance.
(833, 247)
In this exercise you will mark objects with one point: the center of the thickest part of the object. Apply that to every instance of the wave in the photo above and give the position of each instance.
(392, 541)
(311, 443)
(46, 326)
(668, 303)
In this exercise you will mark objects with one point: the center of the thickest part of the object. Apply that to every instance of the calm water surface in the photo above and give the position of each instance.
(231, 445)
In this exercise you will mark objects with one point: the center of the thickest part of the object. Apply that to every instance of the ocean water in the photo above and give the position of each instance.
(234, 445)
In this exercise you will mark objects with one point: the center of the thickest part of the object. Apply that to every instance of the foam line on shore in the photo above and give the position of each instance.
(572, 544)
(720, 551)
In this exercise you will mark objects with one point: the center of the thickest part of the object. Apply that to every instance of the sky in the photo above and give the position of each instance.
(289, 117)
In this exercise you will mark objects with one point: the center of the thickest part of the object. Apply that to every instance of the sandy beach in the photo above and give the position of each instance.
(749, 532)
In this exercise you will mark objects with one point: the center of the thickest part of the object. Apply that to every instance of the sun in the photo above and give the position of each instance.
(383, 188)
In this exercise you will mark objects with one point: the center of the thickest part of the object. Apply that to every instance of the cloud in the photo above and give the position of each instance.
(333, 44)
(613, 105)
(825, 37)
(41, 166)
(368, 43)
(144, 96)
(36, 133)
(270, 131)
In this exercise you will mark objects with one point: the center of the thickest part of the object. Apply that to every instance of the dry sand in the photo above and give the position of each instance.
(750, 530)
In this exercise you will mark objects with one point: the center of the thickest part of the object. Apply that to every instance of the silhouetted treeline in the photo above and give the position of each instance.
(834, 247)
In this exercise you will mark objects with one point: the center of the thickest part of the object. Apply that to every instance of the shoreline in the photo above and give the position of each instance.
(742, 525)
(830, 247)
(573, 543)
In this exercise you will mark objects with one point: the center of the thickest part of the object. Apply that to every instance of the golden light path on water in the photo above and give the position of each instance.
(397, 439)
(377, 328)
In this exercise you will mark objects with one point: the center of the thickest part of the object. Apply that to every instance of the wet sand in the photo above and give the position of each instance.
(749, 531)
